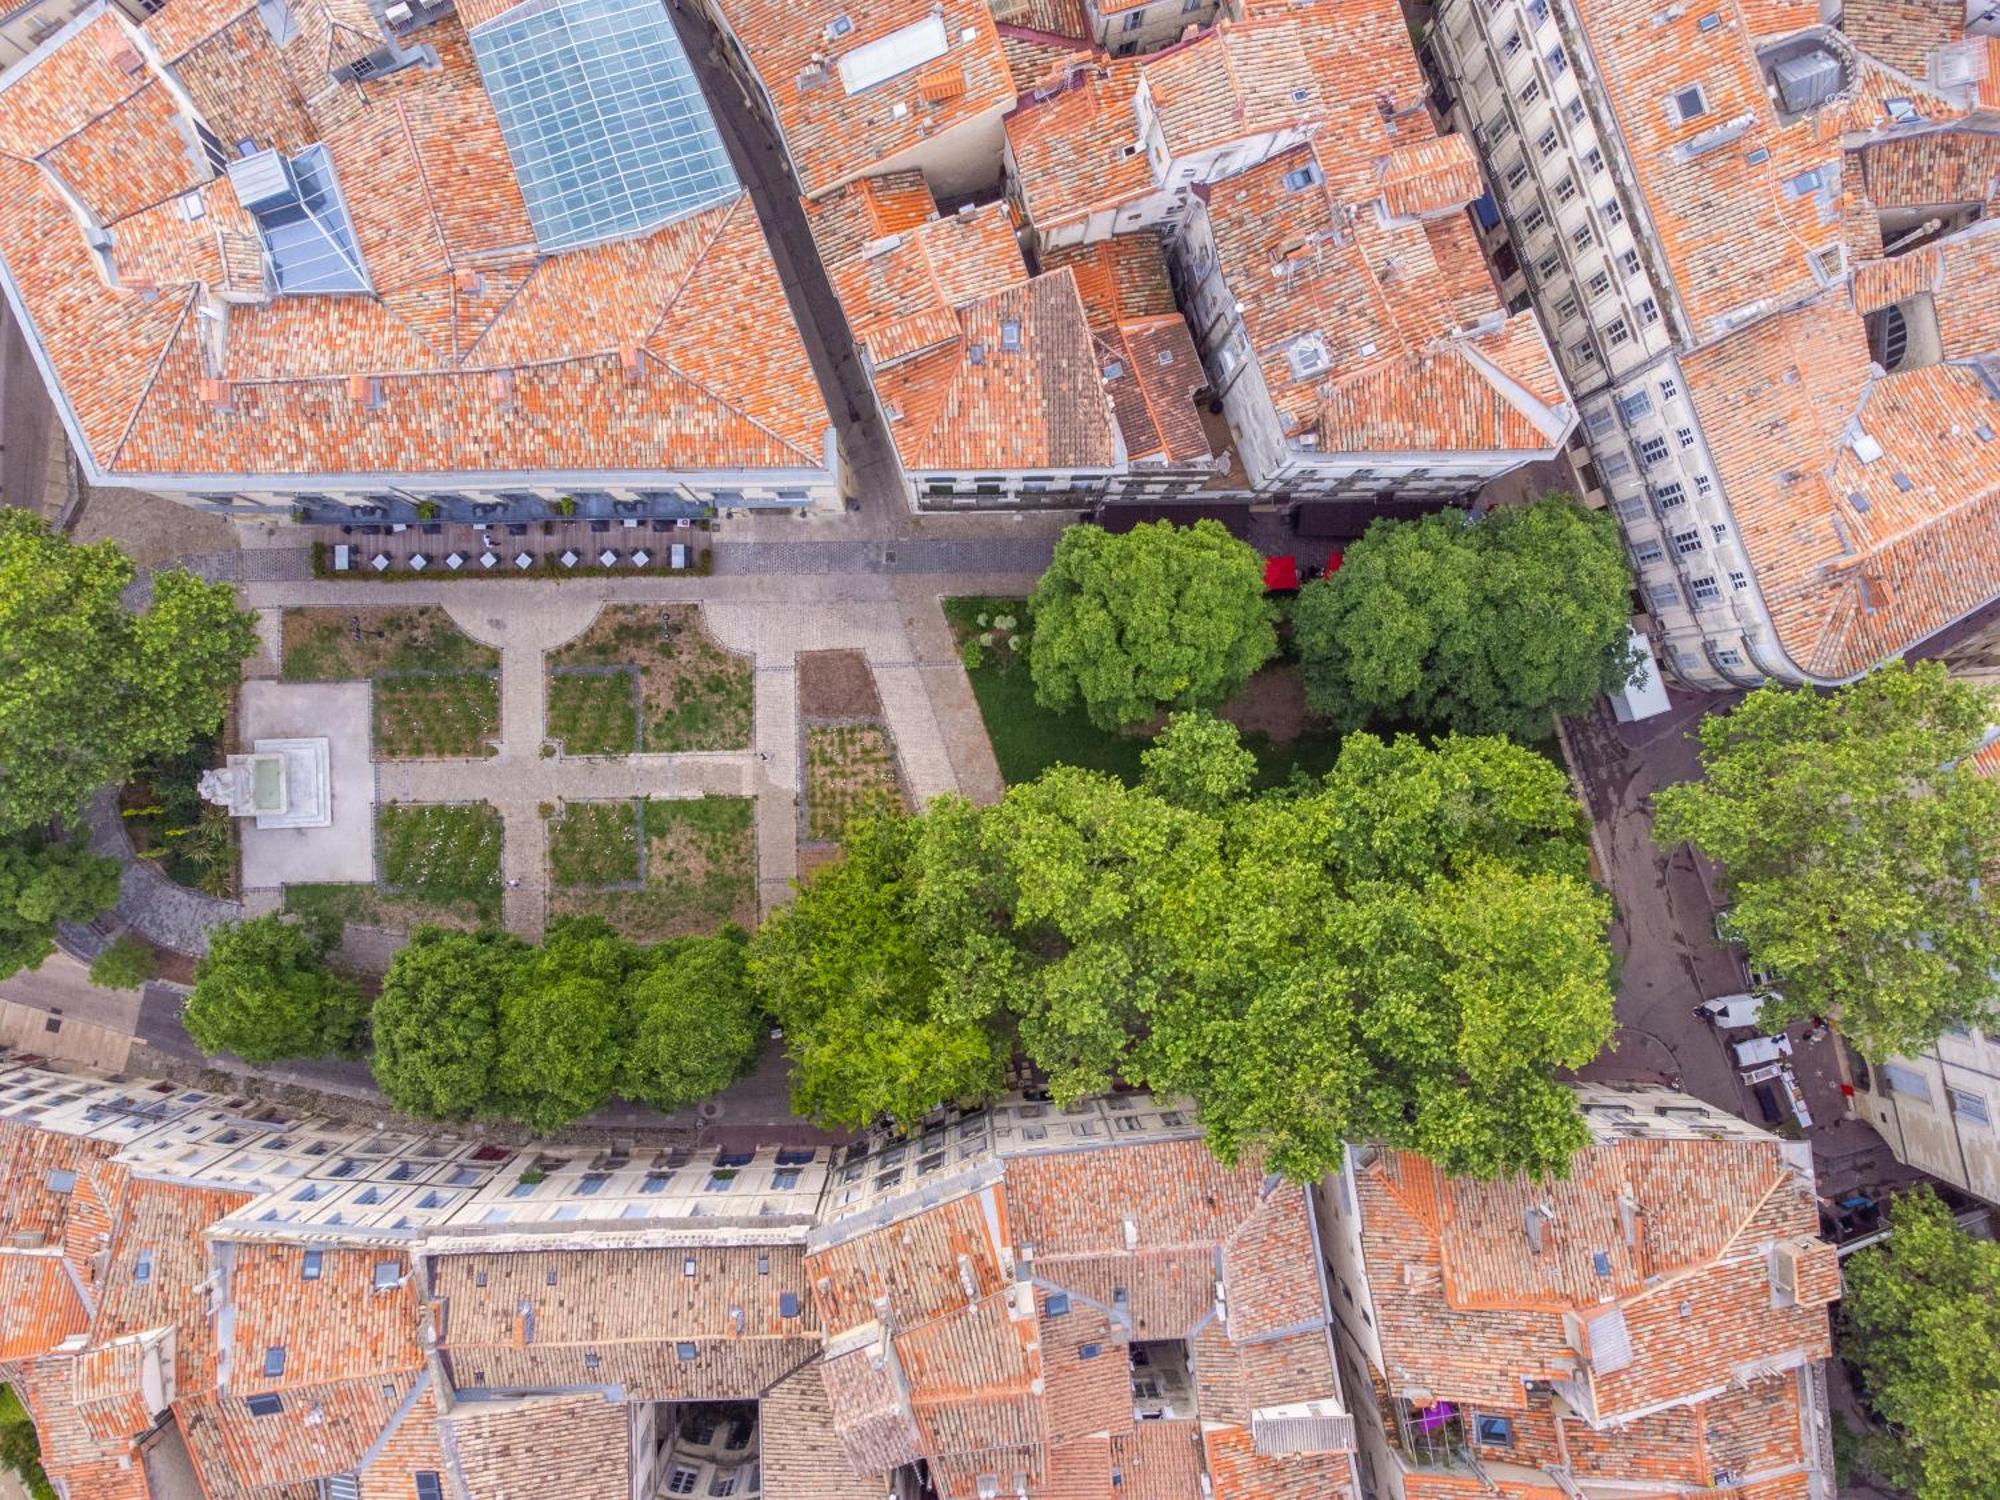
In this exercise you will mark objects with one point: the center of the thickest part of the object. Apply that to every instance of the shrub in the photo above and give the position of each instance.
(125, 965)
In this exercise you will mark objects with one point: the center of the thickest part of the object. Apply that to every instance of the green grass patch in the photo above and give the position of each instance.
(701, 870)
(593, 713)
(436, 715)
(694, 695)
(449, 855)
(594, 844)
(336, 905)
(342, 645)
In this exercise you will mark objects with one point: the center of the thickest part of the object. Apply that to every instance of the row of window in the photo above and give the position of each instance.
(1912, 1084)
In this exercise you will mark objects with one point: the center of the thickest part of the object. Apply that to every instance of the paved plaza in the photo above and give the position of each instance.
(343, 851)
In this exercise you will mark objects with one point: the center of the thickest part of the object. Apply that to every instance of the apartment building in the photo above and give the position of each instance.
(1746, 233)
(1316, 225)
(312, 255)
(1029, 1301)
(1654, 1324)
(1937, 1109)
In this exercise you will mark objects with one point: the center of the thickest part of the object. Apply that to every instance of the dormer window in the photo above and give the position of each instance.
(1300, 178)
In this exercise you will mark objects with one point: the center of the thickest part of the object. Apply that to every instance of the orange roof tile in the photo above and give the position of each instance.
(1849, 582)
(575, 1446)
(994, 399)
(1388, 306)
(40, 1304)
(1229, 82)
(459, 291)
(1653, 1279)
(1074, 144)
(833, 134)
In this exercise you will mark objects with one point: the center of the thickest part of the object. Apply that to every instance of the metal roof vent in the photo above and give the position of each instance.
(264, 181)
(1808, 80)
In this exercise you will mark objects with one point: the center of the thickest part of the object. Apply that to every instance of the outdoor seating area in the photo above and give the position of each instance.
(380, 549)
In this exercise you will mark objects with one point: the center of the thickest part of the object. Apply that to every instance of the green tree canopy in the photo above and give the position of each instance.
(264, 992)
(1483, 627)
(1861, 849)
(124, 964)
(1162, 616)
(868, 1027)
(88, 689)
(42, 882)
(1921, 1321)
(1406, 953)
(696, 1026)
(436, 1023)
(560, 1024)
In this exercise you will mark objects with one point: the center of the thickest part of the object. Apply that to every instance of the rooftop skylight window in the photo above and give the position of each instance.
(307, 235)
(886, 57)
(602, 116)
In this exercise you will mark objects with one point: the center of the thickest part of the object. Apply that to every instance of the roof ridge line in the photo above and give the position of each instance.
(727, 405)
(152, 379)
(459, 363)
(695, 262)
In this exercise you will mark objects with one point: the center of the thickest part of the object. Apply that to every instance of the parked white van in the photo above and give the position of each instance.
(1761, 1049)
(1725, 1012)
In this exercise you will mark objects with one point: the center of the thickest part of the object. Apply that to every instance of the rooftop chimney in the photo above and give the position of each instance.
(635, 368)
(365, 391)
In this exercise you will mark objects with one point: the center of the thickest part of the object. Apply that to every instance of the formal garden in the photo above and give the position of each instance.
(848, 754)
(436, 690)
(648, 678)
(655, 868)
(434, 864)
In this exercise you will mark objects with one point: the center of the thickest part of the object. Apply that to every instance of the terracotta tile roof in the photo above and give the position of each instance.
(1229, 82)
(1421, 177)
(1850, 583)
(622, 1316)
(1967, 292)
(1074, 144)
(157, 1276)
(40, 1169)
(1736, 241)
(578, 1447)
(71, 1454)
(798, 1462)
(491, 358)
(1902, 32)
(834, 135)
(1946, 166)
(977, 403)
(40, 1303)
(1032, 59)
(900, 272)
(1142, 337)
(322, 1430)
(947, 1341)
(1388, 305)
(359, 1315)
(1655, 1278)
(411, 1447)
(1987, 761)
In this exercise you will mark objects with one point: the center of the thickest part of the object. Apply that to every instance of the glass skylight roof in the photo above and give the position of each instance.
(306, 229)
(602, 116)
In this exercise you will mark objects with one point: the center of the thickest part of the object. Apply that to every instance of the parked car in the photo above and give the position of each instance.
(1727, 1011)
(1761, 1049)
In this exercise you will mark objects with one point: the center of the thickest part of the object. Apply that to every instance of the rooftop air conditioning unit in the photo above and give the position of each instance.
(398, 14)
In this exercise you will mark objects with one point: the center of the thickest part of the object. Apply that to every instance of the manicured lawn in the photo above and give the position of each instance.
(593, 713)
(850, 772)
(436, 714)
(701, 870)
(594, 844)
(694, 694)
(447, 855)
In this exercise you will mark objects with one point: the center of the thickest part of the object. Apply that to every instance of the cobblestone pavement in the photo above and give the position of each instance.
(150, 904)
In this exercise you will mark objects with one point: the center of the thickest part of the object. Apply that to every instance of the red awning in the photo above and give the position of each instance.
(1333, 562)
(1281, 573)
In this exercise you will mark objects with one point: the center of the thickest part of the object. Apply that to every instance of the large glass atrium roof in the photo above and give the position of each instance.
(602, 116)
